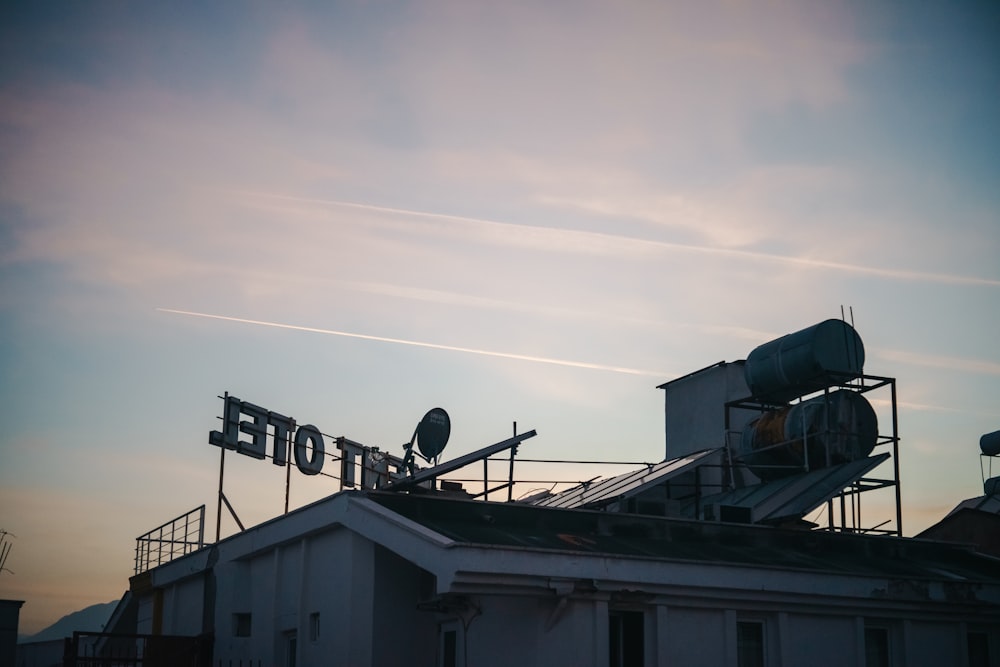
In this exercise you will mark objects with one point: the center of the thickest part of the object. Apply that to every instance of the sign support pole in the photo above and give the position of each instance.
(222, 468)
(288, 464)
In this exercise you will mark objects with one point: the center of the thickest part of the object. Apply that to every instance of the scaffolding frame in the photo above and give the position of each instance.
(849, 498)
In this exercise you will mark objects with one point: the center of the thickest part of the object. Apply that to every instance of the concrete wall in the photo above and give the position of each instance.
(812, 640)
(183, 608)
(542, 631)
(10, 615)
(517, 631)
(40, 654)
(695, 637)
(934, 644)
(364, 602)
(400, 631)
(335, 593)
(695, 410)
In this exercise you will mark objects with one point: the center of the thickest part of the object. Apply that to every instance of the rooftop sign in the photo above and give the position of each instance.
(308, 450)
(259, 433)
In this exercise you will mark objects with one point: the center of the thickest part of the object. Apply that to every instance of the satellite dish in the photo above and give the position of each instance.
(432, 433)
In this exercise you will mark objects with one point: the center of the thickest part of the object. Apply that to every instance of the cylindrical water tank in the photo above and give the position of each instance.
(837, 427)
(989, 444)
(800, 363)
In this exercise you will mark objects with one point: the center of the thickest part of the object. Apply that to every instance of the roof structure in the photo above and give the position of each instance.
(990, 504)
(791, 498)
(519, 526)
(968, 526)
(783, 500)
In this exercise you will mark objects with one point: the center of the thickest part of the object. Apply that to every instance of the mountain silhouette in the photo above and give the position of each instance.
(91, 619)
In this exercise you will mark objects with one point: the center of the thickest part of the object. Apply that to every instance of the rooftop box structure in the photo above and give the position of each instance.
(695, 408)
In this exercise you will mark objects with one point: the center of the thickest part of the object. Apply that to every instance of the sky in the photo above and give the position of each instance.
(352, 212)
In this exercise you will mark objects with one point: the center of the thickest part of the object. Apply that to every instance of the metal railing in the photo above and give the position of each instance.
(173, 539)
(102, 649)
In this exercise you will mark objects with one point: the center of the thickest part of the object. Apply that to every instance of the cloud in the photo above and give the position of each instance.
(628, 65)
(492, 232)
(957, 364)
(112, 179)
(924, 407)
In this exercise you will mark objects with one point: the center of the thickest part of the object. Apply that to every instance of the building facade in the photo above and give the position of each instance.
(369, 578)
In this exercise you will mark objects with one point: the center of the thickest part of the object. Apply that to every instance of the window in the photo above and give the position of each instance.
(314, 626)
(876, 646)
(291, 648)
(451, 645)
(750, 643)
(449, 648)
(979, 649)
(626, 638)
(241, 625)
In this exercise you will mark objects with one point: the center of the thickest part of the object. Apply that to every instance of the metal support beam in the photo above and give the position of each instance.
(430, 474)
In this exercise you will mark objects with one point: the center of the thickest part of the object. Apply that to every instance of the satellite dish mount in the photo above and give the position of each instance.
(430, 436)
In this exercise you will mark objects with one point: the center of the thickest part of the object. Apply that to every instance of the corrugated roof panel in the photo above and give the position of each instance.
(794, 497)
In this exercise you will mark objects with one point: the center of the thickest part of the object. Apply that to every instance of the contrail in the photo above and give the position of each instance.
(604, 239)
(434, 346)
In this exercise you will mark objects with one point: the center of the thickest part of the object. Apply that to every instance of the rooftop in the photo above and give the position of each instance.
(512, 525)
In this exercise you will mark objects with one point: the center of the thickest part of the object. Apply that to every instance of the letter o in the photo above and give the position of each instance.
(305, 464)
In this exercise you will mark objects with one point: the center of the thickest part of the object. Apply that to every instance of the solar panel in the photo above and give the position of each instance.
(603, 491)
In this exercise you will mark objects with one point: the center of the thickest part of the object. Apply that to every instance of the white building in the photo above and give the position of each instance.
(370, 578)
(704, 559)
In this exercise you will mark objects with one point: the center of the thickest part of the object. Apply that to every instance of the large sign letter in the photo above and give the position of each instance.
(309, 465)
(282, 427)
(230, 433)
(256, 429)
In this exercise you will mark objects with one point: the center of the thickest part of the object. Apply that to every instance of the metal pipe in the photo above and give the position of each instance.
(510, 476)
(895, 461)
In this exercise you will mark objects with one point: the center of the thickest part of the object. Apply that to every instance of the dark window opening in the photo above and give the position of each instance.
(750, 644)
(291, 648)
(449, 649)
(979, 649)
(626, 638)
(314, 626)
(876, 647)
(241, 625)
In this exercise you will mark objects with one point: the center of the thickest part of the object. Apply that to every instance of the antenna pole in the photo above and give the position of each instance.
(857, 352)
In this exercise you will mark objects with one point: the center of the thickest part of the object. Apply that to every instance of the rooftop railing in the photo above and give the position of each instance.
(175, 538)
